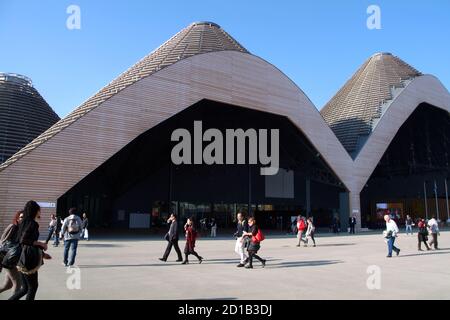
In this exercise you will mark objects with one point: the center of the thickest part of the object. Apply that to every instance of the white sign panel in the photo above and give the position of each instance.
(47, 204)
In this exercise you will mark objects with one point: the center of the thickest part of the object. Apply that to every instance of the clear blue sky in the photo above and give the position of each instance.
(318, 44)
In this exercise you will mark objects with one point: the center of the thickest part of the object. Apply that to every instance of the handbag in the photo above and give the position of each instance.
(11, 254)
(31, 259)
(258, 237)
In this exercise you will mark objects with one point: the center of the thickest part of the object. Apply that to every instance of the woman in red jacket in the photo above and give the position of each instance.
(191, 236)
(301, 226)
(422, 235)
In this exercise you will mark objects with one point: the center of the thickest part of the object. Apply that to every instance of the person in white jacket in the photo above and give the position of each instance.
(391, 234)
(310, 231)
(433, 230)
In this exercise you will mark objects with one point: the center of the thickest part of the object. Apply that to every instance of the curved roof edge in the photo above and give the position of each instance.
(197, 38)
(423, 89)
(302, 112)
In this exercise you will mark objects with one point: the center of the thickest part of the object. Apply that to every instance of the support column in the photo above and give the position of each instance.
(249, 190)
(355, 208)
(344, 210)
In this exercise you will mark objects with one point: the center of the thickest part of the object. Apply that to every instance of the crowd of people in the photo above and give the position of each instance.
(22, 254)
(425, 230)
(248, 241)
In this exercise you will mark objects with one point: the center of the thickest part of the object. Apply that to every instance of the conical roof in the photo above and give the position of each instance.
(354, 110)
(197, 38)
(24, 114)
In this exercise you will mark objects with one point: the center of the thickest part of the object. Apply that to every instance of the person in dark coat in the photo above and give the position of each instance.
(172, 239)
(254, 244)
(84, 228)
(59, 223)
(352, 224)
(32, 251)
(422, 235)
(191, 236)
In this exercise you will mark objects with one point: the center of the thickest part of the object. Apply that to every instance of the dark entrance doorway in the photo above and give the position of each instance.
(139, 185)
(411, 176)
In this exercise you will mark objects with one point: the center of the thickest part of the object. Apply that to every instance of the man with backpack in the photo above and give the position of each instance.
(71, 231)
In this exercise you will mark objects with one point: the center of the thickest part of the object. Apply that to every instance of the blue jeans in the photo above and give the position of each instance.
(391, 246)
(56, 242)
(73, 245)
(409, 229)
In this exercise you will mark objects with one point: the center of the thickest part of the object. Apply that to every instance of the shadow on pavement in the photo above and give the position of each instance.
(294, 264)
(336, 244)
(101, 266)
(100, 245)
(426, 253)
(227, 298)
(321, 245)
(205, 261)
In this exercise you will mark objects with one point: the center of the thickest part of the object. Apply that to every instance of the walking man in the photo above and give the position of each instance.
(433, 228)
(213, 228)
(71, 231)
(391, 234)
(239, 248)
(172, 239)
(408, 224)
(84, 226)
(59, 223)
(352, 224)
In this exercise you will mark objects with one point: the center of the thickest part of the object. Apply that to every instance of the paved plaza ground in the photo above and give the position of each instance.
(335, 269)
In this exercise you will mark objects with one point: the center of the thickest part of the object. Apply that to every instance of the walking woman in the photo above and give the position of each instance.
(8, 262)
(310, 231)
(254, 246)
(32, 255)
(422, 235)
(191, 236)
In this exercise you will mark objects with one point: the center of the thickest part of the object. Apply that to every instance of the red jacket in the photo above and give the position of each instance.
(191, 236)
(301, 225)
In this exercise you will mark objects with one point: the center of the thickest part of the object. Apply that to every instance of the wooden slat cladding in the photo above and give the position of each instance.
(24, 115)
(424, 89)
(197, 38)
(352, 110)
(232, 77)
